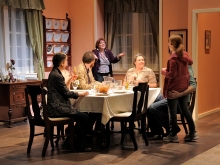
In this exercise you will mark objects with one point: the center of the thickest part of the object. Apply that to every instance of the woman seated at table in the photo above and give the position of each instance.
(140, 73)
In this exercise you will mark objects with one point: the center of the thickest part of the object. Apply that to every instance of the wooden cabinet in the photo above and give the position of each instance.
(57, 38)
(13, 96)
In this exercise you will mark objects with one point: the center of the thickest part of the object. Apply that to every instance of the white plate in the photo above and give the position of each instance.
(49, 49)
(102, 94)
(65, 49)
(120, 91)
(49, 23)
(57, 48)
(56, 23)
(49, 36)
(56, 36)
(64, 24)
(64, 37)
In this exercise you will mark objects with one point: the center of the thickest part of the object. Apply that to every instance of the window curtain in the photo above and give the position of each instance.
(24, 4)
(35, 30)
(35, 26)
(133, 6)
(2, 61)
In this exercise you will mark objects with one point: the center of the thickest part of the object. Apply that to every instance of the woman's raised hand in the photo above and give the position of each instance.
(122, 54)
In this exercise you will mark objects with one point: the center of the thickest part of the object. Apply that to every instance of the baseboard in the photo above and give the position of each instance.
(208, 113)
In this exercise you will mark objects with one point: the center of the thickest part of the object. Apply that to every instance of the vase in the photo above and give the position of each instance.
(11, 77)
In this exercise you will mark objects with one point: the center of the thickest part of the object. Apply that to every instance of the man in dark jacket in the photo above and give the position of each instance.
(58, 102)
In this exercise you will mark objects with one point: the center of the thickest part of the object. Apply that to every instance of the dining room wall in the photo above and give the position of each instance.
(208, 63)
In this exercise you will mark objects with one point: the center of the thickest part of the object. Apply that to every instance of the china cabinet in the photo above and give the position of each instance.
(57, 38)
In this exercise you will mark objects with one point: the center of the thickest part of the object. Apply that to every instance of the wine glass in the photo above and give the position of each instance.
(75, 84)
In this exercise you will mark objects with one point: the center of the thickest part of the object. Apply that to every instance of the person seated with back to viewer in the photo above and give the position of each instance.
(86, 80)
(58, 102)
(140, 73)
(157, 113)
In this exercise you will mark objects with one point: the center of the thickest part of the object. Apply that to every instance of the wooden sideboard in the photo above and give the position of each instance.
(12, 95)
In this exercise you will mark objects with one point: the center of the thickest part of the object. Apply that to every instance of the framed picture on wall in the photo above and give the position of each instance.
(207, 39)
(182, 33)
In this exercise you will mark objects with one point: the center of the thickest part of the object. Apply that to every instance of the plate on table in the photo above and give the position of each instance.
(102, 94)
(120, 91)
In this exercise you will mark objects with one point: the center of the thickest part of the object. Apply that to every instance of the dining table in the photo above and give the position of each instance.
(111, 103)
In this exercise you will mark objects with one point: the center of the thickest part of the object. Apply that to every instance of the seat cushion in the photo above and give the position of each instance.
(124, 114)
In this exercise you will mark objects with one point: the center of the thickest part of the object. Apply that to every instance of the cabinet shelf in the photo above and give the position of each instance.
(57, 30)
(58, 43)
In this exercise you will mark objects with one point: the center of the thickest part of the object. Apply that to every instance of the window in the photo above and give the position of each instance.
(14, 41)
(133, 36)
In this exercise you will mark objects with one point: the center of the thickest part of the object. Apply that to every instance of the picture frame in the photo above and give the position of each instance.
(182, 33)
(207, 39)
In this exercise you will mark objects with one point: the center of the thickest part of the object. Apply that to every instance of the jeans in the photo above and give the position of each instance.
(157, 115)
(173, 105)
(80, 127)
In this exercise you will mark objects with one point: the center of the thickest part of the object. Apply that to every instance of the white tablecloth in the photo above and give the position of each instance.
(112, 104)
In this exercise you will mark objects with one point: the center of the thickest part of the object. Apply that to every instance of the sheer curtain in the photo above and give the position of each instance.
(2, 50)
(20, 49)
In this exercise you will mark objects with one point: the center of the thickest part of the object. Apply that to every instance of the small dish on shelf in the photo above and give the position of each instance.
(65, 49)
(49, 49)
(56, 48)
(56, 24)
(64, 24)
(49, 23)
(56, 36)
(49, 36)
(64, 36)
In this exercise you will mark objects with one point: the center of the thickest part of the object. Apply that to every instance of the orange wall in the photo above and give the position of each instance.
(174, 17)
(208, 63)
(208, 85)
(56, 8)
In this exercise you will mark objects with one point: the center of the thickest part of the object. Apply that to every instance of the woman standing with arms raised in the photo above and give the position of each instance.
(105, 58)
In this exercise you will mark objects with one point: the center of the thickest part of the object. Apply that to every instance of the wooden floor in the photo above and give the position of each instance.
(13, 145)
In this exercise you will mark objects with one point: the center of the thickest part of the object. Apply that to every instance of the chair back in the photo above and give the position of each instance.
(140, 106)
(44, 83)
(44, 103)
(32, 93)
(192, 101)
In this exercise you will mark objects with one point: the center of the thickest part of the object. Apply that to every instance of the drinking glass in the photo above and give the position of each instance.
(74, 73)
(75, 84)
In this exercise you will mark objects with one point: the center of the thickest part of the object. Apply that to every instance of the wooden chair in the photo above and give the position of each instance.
(190, 107)
(60, 129)
(51, 122)
(32, 94)
(139, 109)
